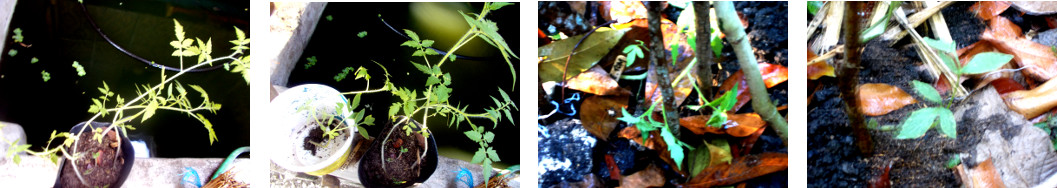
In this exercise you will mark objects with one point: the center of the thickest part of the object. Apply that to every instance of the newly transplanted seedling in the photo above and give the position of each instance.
(149, 98)
(645, 124)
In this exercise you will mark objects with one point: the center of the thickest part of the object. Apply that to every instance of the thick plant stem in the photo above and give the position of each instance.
(848, 74)
(704, 49)
(660, 67)
(761, 100)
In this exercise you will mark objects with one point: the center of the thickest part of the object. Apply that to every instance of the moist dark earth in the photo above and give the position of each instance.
(99, 170)
(833, 158)
(767, 32)
(401, 167)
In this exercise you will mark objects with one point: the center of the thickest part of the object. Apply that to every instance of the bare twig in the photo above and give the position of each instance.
(848, 74)
(660, 66)
(704, 48)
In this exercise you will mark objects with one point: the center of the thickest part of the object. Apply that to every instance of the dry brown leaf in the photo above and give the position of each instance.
(649, 177)
(1034, 102)
(746, 144)
(987, 10)
(599, 114)
(1037, 59)
(983, 175)
(740, 169)
(878, 99)
(737, 125)
(596, 81)
(772, 75)
(817, 70)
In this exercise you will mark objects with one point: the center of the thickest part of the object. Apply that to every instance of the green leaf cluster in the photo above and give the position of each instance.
(78, 68)
(921, 120)
(311, 62)
(645, 124)
(18, 35)
(45, 75)
(633, 52)
(485, 155)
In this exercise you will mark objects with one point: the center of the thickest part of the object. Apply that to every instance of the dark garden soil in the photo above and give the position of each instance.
(835, 161)
(401, 167)
(611, 159)
(316, 136)
(100, 165)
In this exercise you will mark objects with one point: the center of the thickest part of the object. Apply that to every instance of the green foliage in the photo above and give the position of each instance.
(926, 91)
(45, 75)
(362, 34)
(942, 46)
(331, 18)
(18, 35)
(35, 60)
(986, 62)
(880, 27)
(814, 6)
(645, 124)
(311, 62)
(633, 52)
(954, 161)
(78, 68)
(12, 52)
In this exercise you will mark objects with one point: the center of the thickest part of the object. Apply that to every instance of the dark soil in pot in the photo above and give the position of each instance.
(102, 164)
(401, 153)
(316, 137)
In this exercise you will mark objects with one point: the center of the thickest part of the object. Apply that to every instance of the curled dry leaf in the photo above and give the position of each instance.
(878, 99)
(772, 75)
(649, 177)
(988, 10)
(1034, 102)
(983, 175)
(740, 169)
(1037, 59)
(599, 114)
(817, 70)
(553, 56)
(596, 81)
(737, 125)
(746, 144)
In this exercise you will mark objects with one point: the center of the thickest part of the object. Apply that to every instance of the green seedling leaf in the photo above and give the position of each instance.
(149, 111)
(948, 125)
(35, 60)
(478, 156)
(488, 136)
(955, 160)
(12, 52)
(926, 91)
(428, 43)
(492, 155)
(627, 117)
(423, 68)
(700, 157)
(986, 62)
(209, 127)
(18, 35)
(473, 135)
(363, 131)
(45, 75)
(674, 149)
(362, 34)
(943, 46)
(814, 6)
(950, 62)
(918, 123)
(355, 101)
(412, 34)
(633, 53)
(497, 5)
(77, 67)
(874, 30)
(331, 18)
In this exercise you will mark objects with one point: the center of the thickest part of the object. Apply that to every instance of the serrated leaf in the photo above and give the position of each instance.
(473, 135)
(509, 116)
(948, 125)
(986, 62)
(418, 53)
(412, 44)
(149, 111)
(432, 80)
(209, 127)
(205, 96)
(411, 34)
(394, 108)
(926, 91)
(478, 156)
(497, 5)
(917, 123)
(488, 136)
(369, 120)
(430, 52)
(492, 155)
(423, 68)
(239, 34)
(675, 151)
(427, 43)
(487, 167)
(627, 117)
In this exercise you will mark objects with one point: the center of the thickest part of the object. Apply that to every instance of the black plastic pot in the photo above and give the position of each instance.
(127, 152)
(427, 167)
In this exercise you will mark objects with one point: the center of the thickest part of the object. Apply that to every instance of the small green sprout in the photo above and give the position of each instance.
(45, 75)
(311, 62)
(79, 68)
